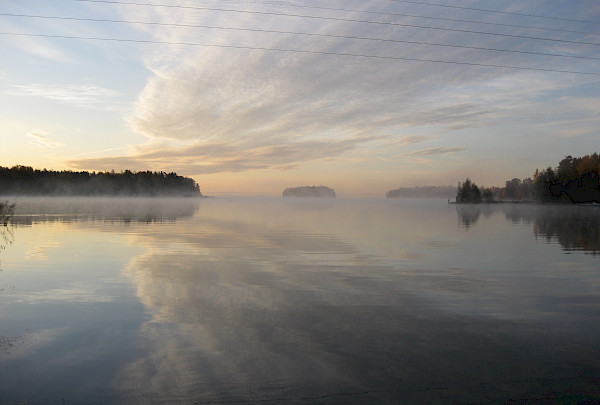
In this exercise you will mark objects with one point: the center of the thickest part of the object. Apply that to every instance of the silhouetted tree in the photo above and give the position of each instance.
(576, 180)
(545, 185)
(468, 192)
(513, 189)
(488, 195)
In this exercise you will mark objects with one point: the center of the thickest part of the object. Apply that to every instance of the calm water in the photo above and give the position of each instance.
(245, 300)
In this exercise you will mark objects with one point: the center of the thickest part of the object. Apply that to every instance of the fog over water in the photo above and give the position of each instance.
(241, 300)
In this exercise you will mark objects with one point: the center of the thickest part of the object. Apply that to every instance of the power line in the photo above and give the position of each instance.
(342, 20)
(422, 3)
(302, 51)
(299, 33)
(421, 16)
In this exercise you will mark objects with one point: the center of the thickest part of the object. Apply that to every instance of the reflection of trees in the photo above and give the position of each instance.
(6, 236)
(6, 212)
(6, 231)
(574, 227)
(468, 215)
(116, 209)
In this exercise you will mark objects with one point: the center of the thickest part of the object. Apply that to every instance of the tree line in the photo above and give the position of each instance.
(422, 191)
(574, 180)
(24, 180)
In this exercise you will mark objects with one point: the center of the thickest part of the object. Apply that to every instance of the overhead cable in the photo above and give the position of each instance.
(422, 3)
(302, 51)
(300, 33)
(393, 14)
(342, 19)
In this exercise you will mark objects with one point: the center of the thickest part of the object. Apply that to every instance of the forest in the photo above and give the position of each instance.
(24, 180)
(574, 180)
(422, 192)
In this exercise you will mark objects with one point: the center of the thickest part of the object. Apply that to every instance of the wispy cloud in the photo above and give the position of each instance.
(36, 46)
(247, 109)
(411, 139)
(435, 151)
(103, 150)
(38, 137)
(222, 157)
(82, 95)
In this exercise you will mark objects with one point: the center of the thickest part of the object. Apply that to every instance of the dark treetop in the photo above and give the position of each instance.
(24, 180)
(575, 180)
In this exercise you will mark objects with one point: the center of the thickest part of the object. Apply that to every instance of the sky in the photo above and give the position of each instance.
(251, 97)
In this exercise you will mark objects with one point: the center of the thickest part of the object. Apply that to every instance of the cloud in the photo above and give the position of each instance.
(411, 139)
(81, 95)
(36, 46)
(43, 49)
(435, 151)
(247, 109)
(38, 137)
(221, 157)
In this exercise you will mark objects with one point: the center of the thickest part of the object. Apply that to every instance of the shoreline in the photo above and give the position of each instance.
(591, 204)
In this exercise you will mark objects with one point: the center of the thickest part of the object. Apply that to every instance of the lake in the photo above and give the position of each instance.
(284, 300)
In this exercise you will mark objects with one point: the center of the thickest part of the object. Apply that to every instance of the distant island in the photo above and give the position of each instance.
(422, 191)
(24, 180)
(574, 180)
(309, 191)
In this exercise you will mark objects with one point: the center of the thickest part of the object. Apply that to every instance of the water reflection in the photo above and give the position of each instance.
(7, 237)
(31, 210)
(277, 303)
(574, 227)
(468, 214)
(278, 300)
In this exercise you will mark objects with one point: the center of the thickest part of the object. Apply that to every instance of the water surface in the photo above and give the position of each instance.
(245, 300)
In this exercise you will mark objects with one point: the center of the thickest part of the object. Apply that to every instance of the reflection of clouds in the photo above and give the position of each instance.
(266, 301)
(251, 311)
(81, 293)
(29, 341)
(38, 250)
